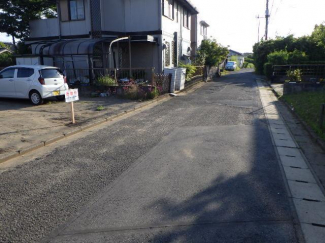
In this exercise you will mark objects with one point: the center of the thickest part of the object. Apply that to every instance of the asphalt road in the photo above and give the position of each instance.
(198, 168)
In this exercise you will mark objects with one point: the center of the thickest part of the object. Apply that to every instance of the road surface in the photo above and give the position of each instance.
(198, 168)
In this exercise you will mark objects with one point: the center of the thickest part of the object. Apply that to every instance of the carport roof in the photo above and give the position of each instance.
(78, 47)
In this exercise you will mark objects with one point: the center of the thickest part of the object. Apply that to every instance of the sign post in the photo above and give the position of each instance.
(72, 95)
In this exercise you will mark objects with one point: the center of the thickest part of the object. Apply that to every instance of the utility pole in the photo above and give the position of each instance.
(259, 25)
(267, 15)
(258, 31)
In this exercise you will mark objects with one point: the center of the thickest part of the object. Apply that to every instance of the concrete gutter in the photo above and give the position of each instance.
(311, 133)
(57, 137)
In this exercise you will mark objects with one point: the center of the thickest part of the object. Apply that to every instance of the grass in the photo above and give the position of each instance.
(100, 108)
(308, 106)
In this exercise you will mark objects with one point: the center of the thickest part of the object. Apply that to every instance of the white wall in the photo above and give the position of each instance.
(79, 27)
(50, 27)
(141, 15)
(200, 37)
(169, 27)
(44, 27)
(113, 15)
(130, 15)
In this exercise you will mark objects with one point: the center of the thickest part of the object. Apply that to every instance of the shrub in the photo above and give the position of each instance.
(6, 58)
(106, 81)
(153, 93)
(131, 92)
(248, 65)
(190, 70)
(268, 70)
(297, 57)
(278, 57)
(294, 75)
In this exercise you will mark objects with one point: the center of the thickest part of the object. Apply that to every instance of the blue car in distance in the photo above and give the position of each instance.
(231, 66)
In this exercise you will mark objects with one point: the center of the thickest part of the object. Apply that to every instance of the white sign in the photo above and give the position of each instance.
(71, 95)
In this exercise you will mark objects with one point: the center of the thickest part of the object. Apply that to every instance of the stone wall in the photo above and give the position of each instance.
(294, 88)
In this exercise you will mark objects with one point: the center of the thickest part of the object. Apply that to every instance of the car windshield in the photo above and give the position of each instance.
(51, 73)
(230, 63)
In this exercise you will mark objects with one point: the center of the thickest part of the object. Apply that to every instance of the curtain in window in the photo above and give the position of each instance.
(77, 10)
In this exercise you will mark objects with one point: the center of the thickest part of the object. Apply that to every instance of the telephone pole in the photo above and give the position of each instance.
(267, 15)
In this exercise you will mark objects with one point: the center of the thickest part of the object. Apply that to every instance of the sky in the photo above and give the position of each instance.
(234, 23)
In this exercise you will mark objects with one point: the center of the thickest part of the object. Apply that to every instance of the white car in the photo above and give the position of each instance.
(231, 66)
(32, 82)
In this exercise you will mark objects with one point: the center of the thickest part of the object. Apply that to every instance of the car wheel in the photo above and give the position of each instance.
(35, 98)
(60, 98)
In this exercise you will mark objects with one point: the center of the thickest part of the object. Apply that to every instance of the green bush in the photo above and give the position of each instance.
(268, 70)
(190, 70)
(297, 57)
(248, 65)
(278, 57)
(294, 75)
(6, 58)
(153, 93)
(105, 81)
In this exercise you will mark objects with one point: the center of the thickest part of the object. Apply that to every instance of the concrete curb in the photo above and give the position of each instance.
(95, 123)
(311, 133)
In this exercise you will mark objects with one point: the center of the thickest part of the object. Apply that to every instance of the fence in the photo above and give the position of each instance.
(162, 82)
(310, 72)
(90, 76)
(322, 120)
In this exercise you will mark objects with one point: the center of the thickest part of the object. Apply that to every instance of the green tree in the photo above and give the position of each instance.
(297, 57)
(278, 57)
(16, 14)
(6, 58)
(212, 53)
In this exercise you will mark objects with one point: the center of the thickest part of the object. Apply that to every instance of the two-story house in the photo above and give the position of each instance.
(80, 37)
(198, 34)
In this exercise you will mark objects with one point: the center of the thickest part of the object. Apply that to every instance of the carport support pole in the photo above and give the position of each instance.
(130, 57)
(72, 113)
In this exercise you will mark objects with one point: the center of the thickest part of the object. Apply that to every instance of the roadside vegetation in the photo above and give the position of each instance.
(290, 50)
(308, 106)
(249, 62)
(211, 53)
(6, 58)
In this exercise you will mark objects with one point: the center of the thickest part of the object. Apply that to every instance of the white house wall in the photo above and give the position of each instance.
(77, 27)
(50, 27)
(113, 18)
(130, 15)
(169, 27)
(44, 27)
(141, 15)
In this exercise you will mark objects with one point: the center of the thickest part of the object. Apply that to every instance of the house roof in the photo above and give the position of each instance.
(204, 23)
(236, 52)
(189, 5)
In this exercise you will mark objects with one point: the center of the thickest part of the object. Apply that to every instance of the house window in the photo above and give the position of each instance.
(169, 8)
(186, 19)
(77, 9)
(203, 30)
(167, 54)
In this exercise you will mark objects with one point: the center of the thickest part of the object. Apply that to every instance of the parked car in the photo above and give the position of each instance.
(231, 66)
(32, 82)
